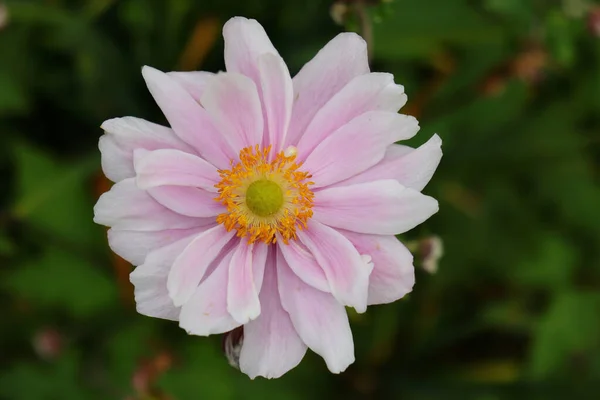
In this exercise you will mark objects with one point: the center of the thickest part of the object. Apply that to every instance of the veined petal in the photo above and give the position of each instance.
(232, 101)
(189, 268)
(336, 64)
(124, 135)
(247, 262)
(413, 168)
(302, 262)
(150, 281)
(382, 207)
(271, 345)
(370, 92)
(187, 201)
(393, 273)
(358, 145)
(277, 97)
(194, 82)
(321, 322)
(187, 118)
(174, 167)
(125, 207)
(245, 41)
(205, 313)
(346, 271)
(134, 246)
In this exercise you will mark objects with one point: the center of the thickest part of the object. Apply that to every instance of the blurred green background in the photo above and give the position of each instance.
(511, 86)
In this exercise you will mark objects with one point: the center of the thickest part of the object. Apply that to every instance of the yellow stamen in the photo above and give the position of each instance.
(265, 198)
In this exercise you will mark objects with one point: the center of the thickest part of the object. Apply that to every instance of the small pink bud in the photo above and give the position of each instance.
(3, 15)
(48, 343)
(432, 249)
(232, 346)
(593, 21)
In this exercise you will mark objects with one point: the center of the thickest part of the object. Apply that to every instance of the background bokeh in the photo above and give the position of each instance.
(511, 86)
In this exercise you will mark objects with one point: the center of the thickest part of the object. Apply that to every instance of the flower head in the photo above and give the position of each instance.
(271, 203)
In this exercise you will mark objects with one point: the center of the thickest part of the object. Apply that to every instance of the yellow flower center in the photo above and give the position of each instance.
(265, 198)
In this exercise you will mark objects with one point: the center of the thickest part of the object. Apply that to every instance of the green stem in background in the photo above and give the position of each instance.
(366, 26)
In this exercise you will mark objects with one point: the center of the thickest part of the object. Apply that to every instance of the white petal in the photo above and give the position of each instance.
(190, 267)
(194, 82)
(187, 118)
(242, 291)
(271, 345)
(381, 207)
(125, 207)
(358, 145)
(393, 274)
(245, 41)
(413, 168)
(346, 272)
(319, 319)
(336, 64)
(206, 311)
(124, 135)
(134, 246)
(150, 281)
(188, 201)
(277, 97)
(370, 92)
(302, 262)
(234, 106)
(174, 167)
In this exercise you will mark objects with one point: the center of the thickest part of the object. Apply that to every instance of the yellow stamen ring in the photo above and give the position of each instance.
(265, 198)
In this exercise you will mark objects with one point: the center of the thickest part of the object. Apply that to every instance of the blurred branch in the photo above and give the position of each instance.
(199, 44)
(366, 26)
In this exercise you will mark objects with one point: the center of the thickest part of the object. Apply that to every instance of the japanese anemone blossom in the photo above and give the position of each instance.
(271, 202)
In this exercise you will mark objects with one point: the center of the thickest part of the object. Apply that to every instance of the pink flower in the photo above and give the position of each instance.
(270, 203)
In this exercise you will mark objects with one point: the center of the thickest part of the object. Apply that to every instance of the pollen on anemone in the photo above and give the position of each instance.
(271, 203)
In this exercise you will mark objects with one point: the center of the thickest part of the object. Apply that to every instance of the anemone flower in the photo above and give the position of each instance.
(270, 203)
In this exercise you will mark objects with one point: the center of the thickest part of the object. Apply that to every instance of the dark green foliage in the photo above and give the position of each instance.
(513, 89)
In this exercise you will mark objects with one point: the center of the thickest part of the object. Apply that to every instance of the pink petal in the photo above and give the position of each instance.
(189, 268)
(271, 345)
(245, 41)
(188, 201)
(302, 262)
(393, 274)
(370, 92)
(382, 207)
(194, 82)
(319, 319)
(413, 168)
(174, 167)
(150, 281)
(358, 145)
(125, 207)
(124, 135)
(242, 291)
(336, 64)
(187, 118)
(134, 246)
(346, 271)
(206, 311)
(277, 96)
(234, 106)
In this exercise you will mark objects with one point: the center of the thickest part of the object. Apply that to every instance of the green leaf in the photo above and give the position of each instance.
(204, 373)
(60, 280)
(570, 328)
(59, 381)
(53, 195)
(418, 29)
(551, 266)
(127, 347)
